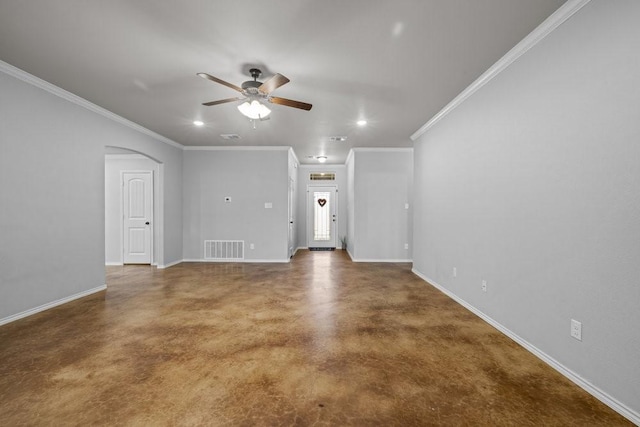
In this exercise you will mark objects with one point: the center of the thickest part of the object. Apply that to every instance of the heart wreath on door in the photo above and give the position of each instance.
(322, 202)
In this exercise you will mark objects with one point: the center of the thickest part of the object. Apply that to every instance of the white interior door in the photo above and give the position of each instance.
(291, 216)
(321, 222)
(137, 216)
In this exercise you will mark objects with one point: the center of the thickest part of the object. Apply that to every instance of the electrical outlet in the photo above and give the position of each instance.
(455, 272)
(484, 285)
(576, 329)
(406, 246)
(252, 246)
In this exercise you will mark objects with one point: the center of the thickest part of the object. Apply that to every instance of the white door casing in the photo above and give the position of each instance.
(321, 216)
(291, 216)
(137, 203)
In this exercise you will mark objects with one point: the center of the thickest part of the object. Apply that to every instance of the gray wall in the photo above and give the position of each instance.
(52, 182)
(251, 177)
(304, 182)
(382, 186)
(533, 185)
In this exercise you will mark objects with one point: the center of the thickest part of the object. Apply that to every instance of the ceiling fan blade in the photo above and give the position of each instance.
(273, 83)
(290, 103)
(222, 82)
(222, 101)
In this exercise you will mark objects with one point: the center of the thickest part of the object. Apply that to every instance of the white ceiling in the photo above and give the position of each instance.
(394, 63)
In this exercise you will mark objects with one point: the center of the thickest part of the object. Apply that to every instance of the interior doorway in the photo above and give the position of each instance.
(291, 212)
(138, 194)
(321, 216)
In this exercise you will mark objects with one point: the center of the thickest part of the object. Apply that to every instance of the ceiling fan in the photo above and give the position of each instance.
(253, 92)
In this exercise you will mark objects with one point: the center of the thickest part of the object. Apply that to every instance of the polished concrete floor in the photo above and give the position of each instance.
(319, 341)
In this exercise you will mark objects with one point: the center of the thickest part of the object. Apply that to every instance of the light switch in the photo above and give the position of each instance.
(268, 205)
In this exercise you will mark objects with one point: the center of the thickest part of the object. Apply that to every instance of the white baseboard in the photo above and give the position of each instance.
(306, 247)
(245, 261)
(113, 264)
(599, 394)
(52, 304)
(171, 264)
(378, 260)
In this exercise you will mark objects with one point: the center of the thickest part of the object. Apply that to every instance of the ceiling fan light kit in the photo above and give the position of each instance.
(254, 110)
(253, 92)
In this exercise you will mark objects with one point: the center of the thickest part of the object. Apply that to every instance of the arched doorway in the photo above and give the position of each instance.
(124, 164)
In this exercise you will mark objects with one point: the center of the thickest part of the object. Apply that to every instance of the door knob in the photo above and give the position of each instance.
(146, 223)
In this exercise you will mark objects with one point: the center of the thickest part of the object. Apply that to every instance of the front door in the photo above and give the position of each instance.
(321, 217)
(137, 216)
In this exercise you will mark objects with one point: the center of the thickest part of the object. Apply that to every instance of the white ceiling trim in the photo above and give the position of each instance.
(295, 157)
(382, 149)
(238, 148)
(560, 16)
(349, 156)
(323, 167)
(55, 90)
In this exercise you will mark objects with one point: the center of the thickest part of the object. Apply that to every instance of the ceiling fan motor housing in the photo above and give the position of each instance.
(251, 84)
(255, 73)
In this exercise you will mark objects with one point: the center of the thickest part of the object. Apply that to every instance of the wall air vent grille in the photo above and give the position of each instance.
(224, 250)
(322, 176)
(337, 138)
(229, 136)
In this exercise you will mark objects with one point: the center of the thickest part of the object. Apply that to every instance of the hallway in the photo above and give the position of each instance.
(321, 340)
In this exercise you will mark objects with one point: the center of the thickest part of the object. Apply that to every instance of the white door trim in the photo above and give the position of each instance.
(310, 224)
(291, 208)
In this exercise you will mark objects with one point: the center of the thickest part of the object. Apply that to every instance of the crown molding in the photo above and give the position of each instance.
(324, 167)
(238, 148)
(295, 157)
(556, 19)
(349, 156)
(381, 149)
(68, 96)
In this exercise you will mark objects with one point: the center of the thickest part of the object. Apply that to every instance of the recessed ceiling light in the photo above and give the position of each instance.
(361, 122)
(397, 29)
(198, 123)
(322, 159)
